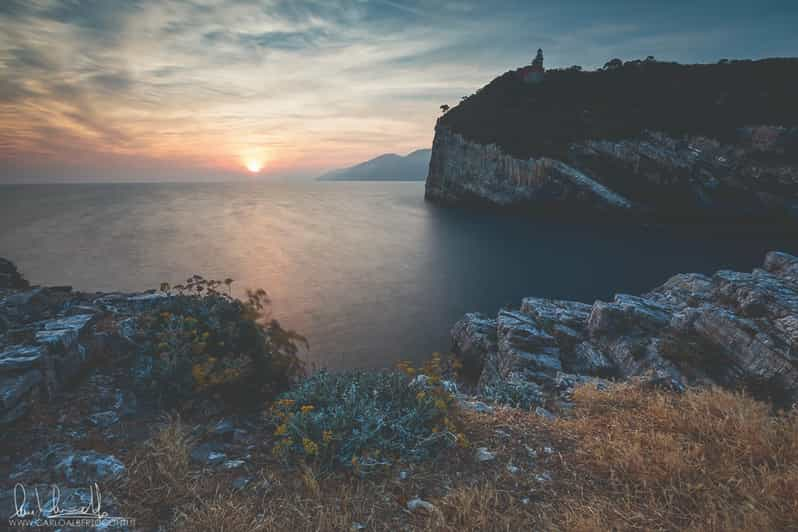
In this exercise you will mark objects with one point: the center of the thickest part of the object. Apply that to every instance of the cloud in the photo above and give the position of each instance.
(198, 86)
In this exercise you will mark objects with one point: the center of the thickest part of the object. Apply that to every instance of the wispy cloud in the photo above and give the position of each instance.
(138, 89)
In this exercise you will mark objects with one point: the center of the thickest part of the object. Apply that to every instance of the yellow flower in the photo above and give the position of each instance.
(307, 408)
(326, 436)
(198, 372)
(421, 395)
(281, 430)
(440, 404)
(311, 448)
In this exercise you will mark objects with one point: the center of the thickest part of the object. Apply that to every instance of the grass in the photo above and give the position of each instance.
(628, 459)
(705, 460)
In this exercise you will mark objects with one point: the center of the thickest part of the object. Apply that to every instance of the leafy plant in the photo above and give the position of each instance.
(518, 394)
(203, 340)
(364, 420)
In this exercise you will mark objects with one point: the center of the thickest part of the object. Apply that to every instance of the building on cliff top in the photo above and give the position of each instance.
(535, 72)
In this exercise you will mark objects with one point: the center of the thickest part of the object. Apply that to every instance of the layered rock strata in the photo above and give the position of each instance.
(732, 329)
(653, 175)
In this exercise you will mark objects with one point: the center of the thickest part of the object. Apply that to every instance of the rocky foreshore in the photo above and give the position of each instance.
(731, 329)
(50, 335)
(74, 418)
(70, 413)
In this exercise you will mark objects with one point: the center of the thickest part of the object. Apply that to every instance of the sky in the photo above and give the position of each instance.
(195, 90)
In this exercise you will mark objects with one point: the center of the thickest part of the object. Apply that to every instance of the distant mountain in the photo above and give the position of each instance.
(386, 167)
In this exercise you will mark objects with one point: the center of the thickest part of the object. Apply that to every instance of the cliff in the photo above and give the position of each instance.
(647, 138)
(731, 329)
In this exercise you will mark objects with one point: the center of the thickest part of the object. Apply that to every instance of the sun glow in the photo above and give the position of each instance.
(254, 166)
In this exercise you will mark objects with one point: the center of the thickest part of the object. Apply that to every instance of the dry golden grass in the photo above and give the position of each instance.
(705, 460)
(160, 476)
(221, 513)
(629, 459)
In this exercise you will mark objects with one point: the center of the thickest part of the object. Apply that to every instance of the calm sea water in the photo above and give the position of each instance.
(369, 272)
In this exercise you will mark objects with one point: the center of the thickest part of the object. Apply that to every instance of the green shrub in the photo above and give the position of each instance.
(366, 419)
(518, 394)
(205, 341)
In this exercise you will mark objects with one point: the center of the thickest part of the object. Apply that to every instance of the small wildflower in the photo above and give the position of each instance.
(281, 430)
(306, 408)
(311, 448)
(421, 395)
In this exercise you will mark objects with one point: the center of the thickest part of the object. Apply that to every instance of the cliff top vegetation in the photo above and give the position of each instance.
(623, 99)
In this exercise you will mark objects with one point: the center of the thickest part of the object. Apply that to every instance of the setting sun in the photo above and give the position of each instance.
(254, 166)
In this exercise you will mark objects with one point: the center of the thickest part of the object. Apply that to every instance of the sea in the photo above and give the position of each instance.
(369, 272)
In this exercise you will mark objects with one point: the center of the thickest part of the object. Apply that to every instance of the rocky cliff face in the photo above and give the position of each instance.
(737, 330)
(653, 174)
(461, 170)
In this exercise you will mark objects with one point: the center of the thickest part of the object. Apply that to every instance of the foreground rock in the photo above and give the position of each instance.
(49, 336)
(736, 330)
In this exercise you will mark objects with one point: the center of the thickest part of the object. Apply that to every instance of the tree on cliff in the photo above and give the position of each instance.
(444, 108)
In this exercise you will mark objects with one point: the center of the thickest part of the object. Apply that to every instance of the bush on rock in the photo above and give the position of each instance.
(202, 340)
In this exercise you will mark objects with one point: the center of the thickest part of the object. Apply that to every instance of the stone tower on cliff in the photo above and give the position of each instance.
(535, 72)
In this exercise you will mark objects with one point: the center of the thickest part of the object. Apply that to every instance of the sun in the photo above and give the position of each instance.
(254, 166)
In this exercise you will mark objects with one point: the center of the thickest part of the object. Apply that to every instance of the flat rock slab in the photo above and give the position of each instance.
(64, 332)
(89, 466)
(20, 357)
(78, 322)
